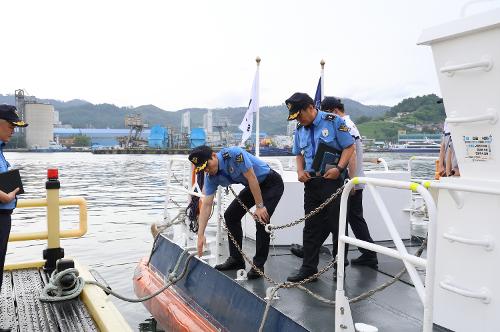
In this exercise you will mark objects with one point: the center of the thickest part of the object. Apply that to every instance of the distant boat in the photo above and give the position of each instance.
(53, 147)
(267, 151)
(425, 146)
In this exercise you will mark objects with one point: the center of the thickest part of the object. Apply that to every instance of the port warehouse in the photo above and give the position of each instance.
(157, 136)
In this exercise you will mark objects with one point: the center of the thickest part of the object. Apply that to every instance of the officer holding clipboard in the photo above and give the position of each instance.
(8, 121)
(326, 135)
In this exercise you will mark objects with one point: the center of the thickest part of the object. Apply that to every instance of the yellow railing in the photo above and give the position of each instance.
(53, 218)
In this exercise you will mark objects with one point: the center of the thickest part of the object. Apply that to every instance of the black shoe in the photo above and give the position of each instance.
(4, 330)
(230, 264)
(366, 259)
(253, 274)
(297, 250)
(301, 275)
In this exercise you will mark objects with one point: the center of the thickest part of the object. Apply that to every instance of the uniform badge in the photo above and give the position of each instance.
(289, 105)
(226, 156)
(324, 132)
(194, 160)
(239, 158)
(343, 127)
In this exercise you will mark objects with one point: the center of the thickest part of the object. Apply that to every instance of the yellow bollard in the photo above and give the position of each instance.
(54, 250)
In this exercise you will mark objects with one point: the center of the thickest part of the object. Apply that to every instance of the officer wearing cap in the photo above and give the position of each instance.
(8, 121)
(263, 188)
(315, 128)
(355, 204)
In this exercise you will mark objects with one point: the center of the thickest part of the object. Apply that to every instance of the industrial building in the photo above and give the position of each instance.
(40, 131)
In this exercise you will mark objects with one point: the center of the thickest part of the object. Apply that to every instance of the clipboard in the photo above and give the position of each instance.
(325, 158)
(11, 180)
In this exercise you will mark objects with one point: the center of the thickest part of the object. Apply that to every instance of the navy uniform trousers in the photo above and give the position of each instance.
(272, 189)
(4, 238)
(357, 221)
(318, 227)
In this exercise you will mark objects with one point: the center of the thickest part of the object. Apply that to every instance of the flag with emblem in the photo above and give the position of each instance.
(253, 106)
(317, 96)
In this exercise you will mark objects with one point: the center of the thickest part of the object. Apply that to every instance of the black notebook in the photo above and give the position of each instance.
(11, 180)
(325, 158)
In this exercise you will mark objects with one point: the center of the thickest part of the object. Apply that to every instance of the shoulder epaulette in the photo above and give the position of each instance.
(330, 117)
(226, 155)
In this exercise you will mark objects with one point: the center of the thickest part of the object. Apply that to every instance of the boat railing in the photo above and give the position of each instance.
(343, 318)
(380, 161)
(184, 185)
(275, 162)
(419, 158)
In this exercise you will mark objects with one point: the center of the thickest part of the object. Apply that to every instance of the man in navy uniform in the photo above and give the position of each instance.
(8, 121)
(315, 128)
(355, 204)
(263, 188)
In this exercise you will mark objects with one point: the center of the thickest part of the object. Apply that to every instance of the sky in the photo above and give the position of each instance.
(182, 54)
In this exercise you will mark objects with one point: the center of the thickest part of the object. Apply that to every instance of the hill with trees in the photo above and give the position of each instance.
(418, 114)
(82, 114)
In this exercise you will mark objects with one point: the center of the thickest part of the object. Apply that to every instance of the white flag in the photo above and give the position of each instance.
(253, 107)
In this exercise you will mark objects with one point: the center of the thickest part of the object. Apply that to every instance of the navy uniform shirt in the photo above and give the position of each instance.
(233, 162)
(326, 128)
(4, 167)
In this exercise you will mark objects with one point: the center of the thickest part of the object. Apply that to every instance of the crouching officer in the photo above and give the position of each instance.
(315, 128)
(263, 188)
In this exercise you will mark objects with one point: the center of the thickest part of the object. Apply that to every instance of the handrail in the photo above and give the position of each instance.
(485, 63)
(67, 201)
(487, 242)
(491, 116)
(483, 294)
(425, 293)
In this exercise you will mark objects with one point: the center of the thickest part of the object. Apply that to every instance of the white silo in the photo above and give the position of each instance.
(40, 131)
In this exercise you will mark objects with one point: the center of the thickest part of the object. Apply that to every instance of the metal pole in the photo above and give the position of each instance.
(322, 63)
(257, 118)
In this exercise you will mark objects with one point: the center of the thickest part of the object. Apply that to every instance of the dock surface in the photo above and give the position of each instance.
(21, 309)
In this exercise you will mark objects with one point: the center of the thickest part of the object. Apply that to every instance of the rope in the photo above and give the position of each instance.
(54, 291)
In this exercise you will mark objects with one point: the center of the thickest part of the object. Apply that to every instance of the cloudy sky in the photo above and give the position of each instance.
(179, 54)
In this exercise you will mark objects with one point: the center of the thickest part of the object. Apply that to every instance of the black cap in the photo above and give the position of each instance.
(331, 103)
(8, 113)
(297, 102)
(199, 156)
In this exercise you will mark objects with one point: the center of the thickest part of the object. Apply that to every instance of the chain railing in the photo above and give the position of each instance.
(271, 227)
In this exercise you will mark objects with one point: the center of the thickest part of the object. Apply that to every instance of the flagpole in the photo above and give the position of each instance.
(257, 128)
(322, 63)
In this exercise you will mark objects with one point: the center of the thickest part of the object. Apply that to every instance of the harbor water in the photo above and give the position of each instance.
(125, 195)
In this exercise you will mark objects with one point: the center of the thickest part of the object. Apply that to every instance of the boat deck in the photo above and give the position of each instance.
(21, 310)
(397, 308)
(239, 305)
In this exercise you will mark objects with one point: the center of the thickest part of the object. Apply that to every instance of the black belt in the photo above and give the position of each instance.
(6, 211)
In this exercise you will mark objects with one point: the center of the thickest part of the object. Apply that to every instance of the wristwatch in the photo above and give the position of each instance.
(340, 168)
(259, 205)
